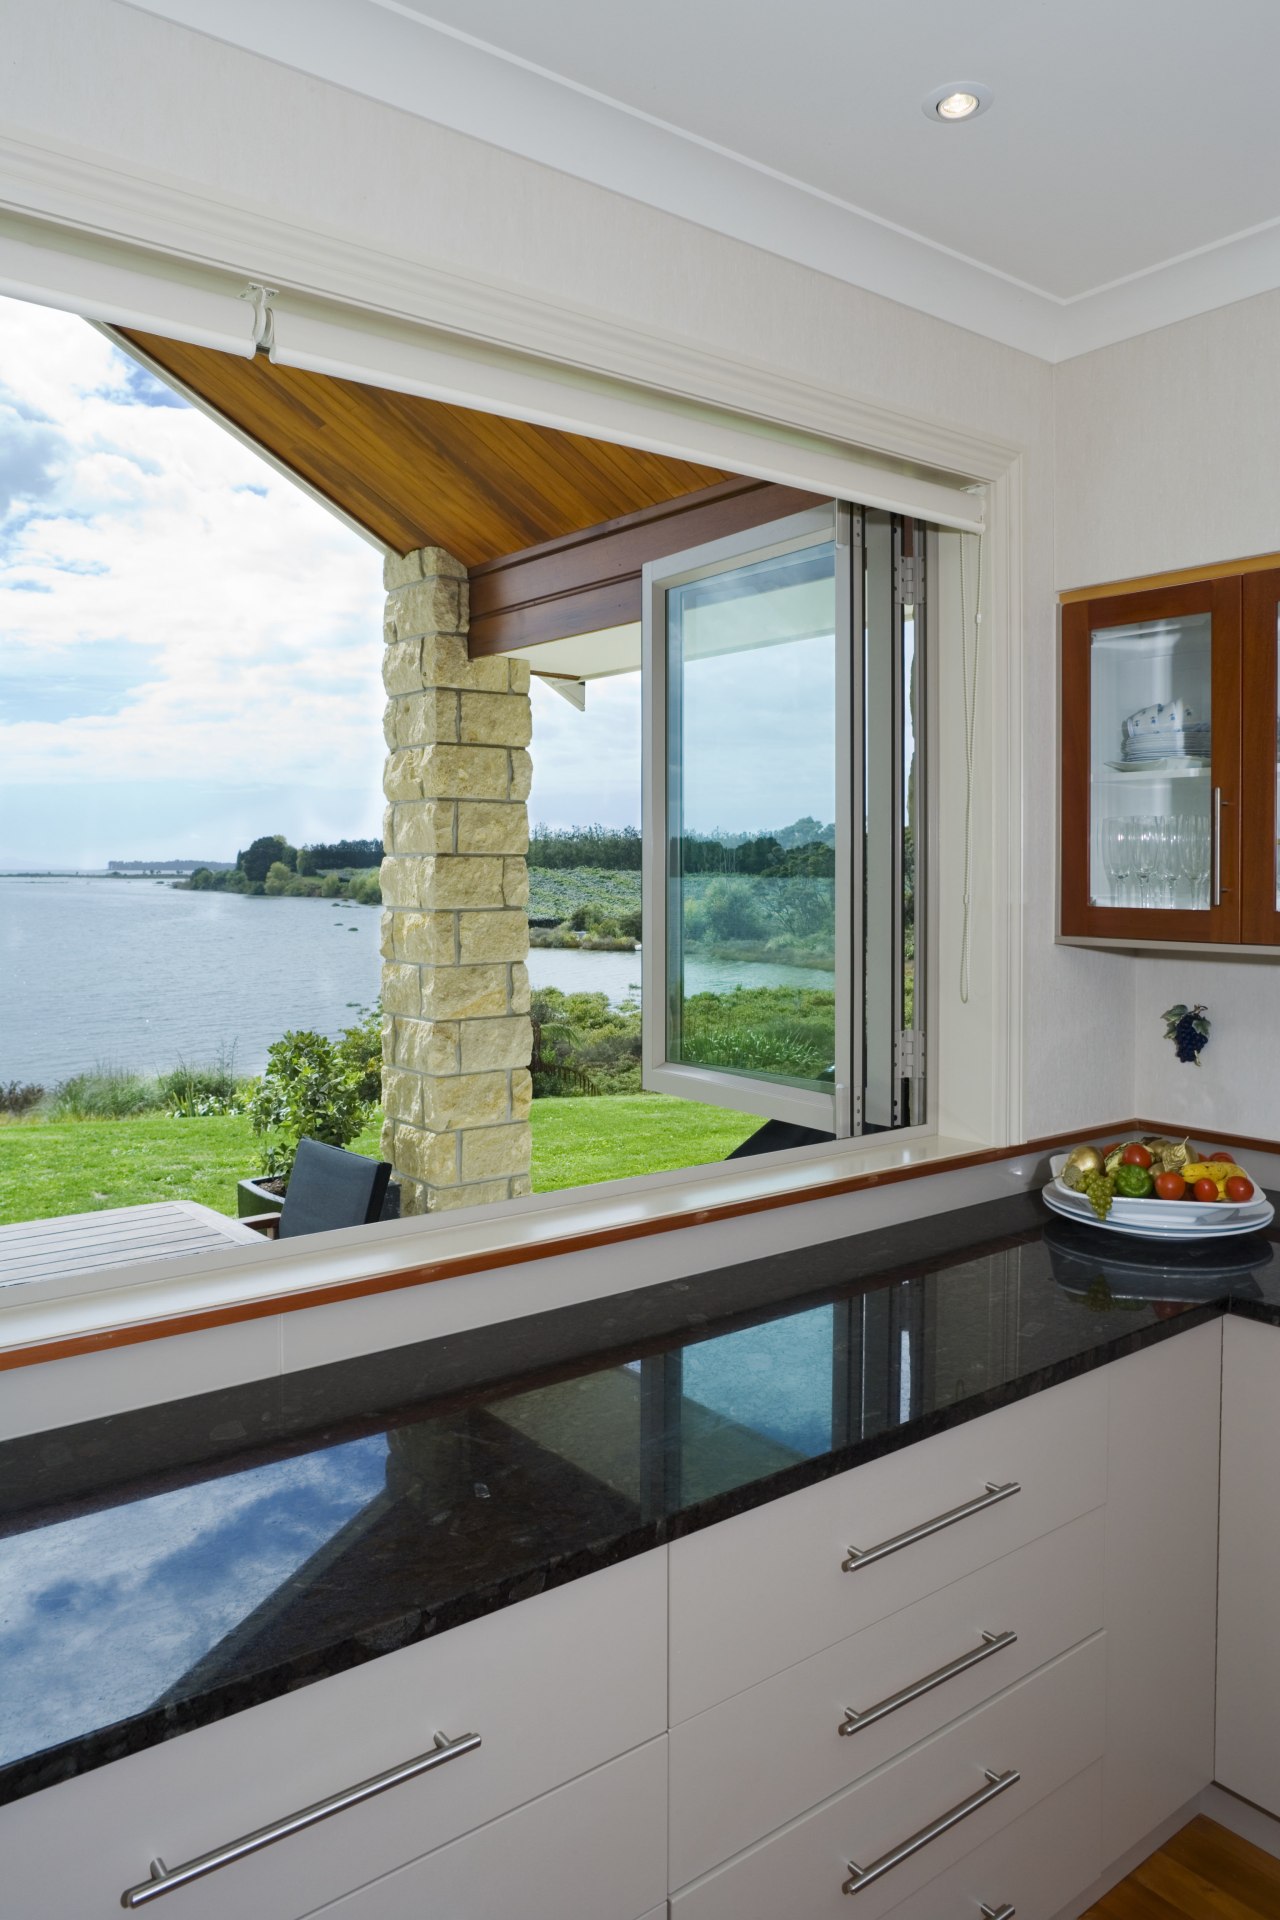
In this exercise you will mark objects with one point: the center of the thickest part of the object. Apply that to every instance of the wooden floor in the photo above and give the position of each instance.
(1204, 1873)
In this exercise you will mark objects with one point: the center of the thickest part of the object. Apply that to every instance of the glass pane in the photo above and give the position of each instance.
(751, 658)
(1150, 781)
(1277, 811)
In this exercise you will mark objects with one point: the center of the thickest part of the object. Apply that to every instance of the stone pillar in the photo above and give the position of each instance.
(455, 891)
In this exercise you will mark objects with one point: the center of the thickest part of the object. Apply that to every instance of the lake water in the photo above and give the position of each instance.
(133, 973)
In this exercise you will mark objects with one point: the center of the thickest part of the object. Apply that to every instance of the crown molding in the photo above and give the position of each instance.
(388, 51)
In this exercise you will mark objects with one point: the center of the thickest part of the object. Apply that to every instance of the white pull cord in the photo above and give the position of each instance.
(969, 679)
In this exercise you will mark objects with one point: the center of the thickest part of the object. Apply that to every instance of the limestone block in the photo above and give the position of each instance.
(518, 671)
(495, 1043)
(402, 667)
(493, 936)
(446, 663)
(387, 1140)
(419, 826)
(404, 879)
(402, 774)
(414, 1199)
(387, 934)
(387, 1030)
(398, 569)
(400, 989)
(521, 1093)
(464, 1100)
(515, 883)
(521, 774)
(520, 1185)
(423, 1155)
(440, 560)
(463, 993)
(519, 1001)
(492, 826)
(482, 1193)
(426, 1046)
(464, 773)
(421, 719)
(494, 719)
(402, 1094)
(453, 880)
(424, 939)
(430, 605)
(491, 1151)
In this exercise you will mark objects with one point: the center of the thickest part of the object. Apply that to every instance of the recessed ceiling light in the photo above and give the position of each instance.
(957, 102)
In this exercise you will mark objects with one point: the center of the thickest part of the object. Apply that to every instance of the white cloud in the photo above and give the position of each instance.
(258, 616)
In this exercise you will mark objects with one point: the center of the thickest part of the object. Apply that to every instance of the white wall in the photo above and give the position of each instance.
(151, 102)
(1168, 455)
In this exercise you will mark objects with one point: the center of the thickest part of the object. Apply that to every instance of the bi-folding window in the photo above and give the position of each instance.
(785, 681)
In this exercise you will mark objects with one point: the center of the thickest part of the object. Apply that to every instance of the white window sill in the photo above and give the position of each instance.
(38, 1313)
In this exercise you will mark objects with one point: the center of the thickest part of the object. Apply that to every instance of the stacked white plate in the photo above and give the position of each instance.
(1159, 1219)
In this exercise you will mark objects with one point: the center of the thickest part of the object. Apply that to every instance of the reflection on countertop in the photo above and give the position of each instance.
(162, 1568)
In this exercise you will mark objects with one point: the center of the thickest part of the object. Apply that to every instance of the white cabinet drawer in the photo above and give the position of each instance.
(596, 1847)
(745, 1767)
(554, 1686)
(756, 1593)
(1046, 1730)
(1034, 1866)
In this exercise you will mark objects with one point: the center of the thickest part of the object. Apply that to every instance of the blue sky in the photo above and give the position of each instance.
(190, 648)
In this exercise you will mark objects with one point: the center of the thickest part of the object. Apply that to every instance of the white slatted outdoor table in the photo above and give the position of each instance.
(115, 1237)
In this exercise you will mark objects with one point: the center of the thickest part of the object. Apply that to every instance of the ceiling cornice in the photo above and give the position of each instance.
(477, 91)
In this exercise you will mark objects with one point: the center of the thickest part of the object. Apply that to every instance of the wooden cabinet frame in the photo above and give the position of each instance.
(1222, 600)
(1260, 917)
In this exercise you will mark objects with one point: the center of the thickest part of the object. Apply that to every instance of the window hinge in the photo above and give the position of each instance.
(906, 580)
(908, 1055)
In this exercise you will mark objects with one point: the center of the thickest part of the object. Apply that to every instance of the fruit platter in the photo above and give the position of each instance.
(1156, 1189)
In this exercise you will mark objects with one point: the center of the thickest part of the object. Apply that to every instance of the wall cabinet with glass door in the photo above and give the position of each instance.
(1169, 764)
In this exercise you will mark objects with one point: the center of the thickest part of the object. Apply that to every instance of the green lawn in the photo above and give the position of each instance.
(76, 1166)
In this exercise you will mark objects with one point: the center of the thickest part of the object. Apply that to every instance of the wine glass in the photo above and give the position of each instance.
(1146, 850)
(1116, 856)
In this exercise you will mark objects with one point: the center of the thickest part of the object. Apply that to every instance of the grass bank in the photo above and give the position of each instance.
(50, 1167)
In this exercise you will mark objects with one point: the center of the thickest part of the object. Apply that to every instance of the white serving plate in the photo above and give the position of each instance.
(1159, 1219)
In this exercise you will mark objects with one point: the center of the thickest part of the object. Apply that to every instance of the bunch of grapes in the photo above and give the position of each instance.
(1189, 1038)
(1188, 1028)
(1099, 1188)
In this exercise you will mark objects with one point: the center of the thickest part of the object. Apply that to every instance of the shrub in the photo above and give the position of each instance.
(108, 1093)
(360, 1050)
(330, 887)
(194, 1092)
(277, 879)
(306, 1091)
(366, 889)
(20, 1096)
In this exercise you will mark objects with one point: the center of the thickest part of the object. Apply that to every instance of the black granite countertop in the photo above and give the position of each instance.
(163, 1568)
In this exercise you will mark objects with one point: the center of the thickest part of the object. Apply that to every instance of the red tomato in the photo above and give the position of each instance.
(1170, 1186)
(1238, 1188)
(1206, 1189)
(1219, 1153)
(1135, 1155)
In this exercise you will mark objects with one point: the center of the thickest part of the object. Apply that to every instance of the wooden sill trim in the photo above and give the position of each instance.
(1179, 577)
(163, 1328)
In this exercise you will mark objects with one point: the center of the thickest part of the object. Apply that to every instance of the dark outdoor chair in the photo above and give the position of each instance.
(327, 1188)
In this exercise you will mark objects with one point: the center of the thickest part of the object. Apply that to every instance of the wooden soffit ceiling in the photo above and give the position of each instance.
(419, 473)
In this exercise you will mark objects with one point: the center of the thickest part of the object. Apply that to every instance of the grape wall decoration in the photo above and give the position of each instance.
(1188, 1028)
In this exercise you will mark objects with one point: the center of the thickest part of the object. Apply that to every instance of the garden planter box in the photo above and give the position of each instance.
(258, 1195)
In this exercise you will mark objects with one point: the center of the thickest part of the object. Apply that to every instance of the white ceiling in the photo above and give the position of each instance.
(1127, 174)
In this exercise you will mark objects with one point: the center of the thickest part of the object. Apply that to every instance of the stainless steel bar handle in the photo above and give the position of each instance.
(1003, 1912)
(164, 1879)
(863, 1556)
(860, 1877)
(1217, 846)
(854, 1721)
